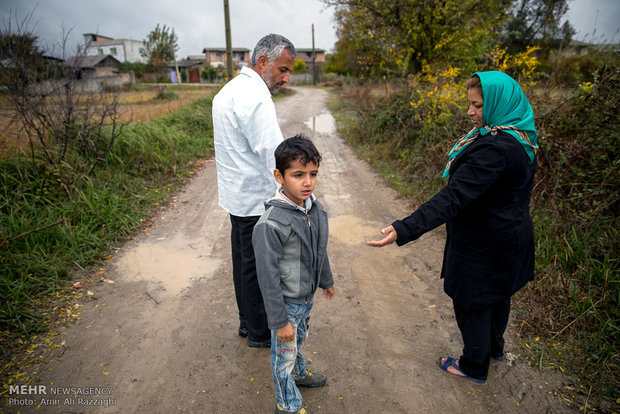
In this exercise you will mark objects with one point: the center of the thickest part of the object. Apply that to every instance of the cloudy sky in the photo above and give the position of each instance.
(200, 23)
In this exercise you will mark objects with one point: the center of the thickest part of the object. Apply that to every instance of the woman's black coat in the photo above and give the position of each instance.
(489, 253)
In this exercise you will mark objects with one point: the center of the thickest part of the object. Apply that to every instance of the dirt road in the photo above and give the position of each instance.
(163, 337)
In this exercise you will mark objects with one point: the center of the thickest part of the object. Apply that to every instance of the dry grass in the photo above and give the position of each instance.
(135, 106)
(141, 106)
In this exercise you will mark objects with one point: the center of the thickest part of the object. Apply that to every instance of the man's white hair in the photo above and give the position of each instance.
(272, 46)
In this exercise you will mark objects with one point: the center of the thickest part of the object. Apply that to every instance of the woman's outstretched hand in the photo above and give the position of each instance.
(390, 237)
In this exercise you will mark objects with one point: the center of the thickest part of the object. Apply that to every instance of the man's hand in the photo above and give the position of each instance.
(329, 293)
(390, 237)
(286, 333)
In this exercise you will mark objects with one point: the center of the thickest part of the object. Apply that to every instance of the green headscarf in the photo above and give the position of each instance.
(504, 107)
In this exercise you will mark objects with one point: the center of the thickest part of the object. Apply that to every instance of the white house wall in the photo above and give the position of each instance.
(119, 52)
(126, 50)
(133, 50)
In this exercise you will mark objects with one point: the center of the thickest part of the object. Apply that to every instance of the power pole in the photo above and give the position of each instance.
(313, 58)
(229, 56)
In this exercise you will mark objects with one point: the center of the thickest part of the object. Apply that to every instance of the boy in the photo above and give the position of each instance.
(290, 241)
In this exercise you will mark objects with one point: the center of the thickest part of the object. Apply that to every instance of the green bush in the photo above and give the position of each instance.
(137, 68)
(407, 130)
(166, 95)
(574, 69)
(299, 66)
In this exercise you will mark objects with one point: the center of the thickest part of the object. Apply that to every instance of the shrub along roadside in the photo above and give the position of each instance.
(48, 233)
(570, 313)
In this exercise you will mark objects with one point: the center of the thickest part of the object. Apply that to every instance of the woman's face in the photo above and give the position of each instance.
(475, 107)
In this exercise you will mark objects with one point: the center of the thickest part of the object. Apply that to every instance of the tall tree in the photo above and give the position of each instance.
(160, 46)
(380, 37)
(537, 22)
(22, 58)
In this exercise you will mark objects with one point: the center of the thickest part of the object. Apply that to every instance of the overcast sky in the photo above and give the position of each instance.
(200, 23)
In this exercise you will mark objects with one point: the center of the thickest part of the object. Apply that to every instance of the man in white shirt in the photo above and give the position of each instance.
(246, 134)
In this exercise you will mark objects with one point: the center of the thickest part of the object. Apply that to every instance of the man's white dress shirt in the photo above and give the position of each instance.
(246, 134)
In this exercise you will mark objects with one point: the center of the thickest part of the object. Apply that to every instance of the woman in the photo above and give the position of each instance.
(489, 253)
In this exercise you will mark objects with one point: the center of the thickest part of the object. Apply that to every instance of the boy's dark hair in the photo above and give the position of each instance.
(298, 148)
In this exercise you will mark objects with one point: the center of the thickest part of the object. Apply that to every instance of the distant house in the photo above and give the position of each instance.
(192, 66)
(125, 50)
(306, 55)
(216, 56)
(97, 72)
(90, 67)
(313, 73)
(196, 57)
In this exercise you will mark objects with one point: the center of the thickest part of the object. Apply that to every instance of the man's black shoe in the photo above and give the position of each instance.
(243, 329)
(259, 344)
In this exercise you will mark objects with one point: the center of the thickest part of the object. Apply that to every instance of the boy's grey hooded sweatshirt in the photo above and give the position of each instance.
(290, 248)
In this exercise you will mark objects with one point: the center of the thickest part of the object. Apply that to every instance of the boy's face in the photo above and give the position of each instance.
(298, 181)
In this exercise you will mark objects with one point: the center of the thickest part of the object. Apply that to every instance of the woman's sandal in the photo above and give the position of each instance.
(452, 362)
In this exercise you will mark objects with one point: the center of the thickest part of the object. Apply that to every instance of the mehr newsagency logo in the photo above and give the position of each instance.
(49, 396)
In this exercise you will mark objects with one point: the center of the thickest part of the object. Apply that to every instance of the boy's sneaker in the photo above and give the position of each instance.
(311, 380)
(280, 410)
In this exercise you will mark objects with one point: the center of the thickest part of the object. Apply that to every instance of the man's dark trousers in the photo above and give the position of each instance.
(249, 298)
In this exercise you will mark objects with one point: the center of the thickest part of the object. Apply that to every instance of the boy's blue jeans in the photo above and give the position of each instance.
(287, 362)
